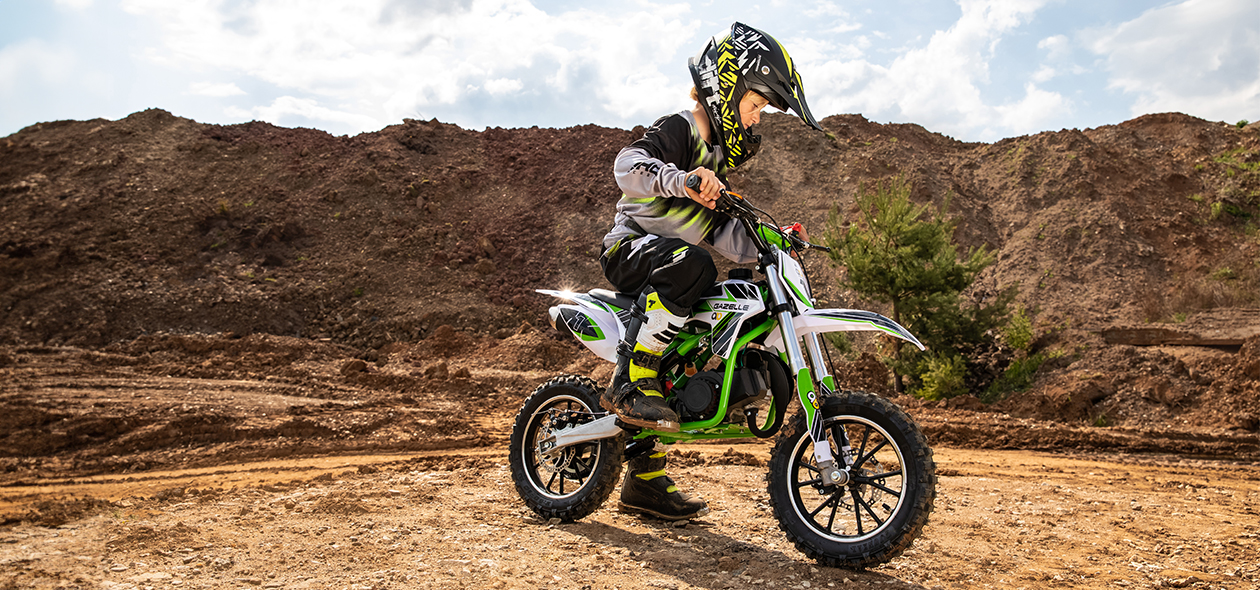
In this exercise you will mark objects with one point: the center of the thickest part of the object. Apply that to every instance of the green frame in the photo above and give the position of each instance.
(713, 428)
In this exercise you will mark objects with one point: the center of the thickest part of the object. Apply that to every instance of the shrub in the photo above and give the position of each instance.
(903, 254)
(943, 377)
(1018, 331)
(1017, 377)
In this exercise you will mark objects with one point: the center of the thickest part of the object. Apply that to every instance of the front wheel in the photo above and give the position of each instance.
(885, 504)
(572, 482)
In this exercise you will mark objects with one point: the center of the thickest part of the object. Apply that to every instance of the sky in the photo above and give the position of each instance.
(975, 70)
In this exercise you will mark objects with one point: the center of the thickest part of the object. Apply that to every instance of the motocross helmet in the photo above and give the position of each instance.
(727, 68)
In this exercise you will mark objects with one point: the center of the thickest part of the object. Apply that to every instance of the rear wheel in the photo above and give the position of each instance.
(885, 504)
(572, 482)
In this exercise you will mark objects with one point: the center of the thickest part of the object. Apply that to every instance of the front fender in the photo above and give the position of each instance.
(842, 320)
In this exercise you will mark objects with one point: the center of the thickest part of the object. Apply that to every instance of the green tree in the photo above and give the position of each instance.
(902, 254)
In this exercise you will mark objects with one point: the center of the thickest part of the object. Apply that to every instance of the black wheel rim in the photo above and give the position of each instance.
(567, 471)
(871, 500)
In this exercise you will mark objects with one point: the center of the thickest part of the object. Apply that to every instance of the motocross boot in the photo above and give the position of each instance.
(636, 395)
(646, 489)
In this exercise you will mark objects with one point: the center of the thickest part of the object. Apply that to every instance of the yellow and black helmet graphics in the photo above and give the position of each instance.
(730, 66)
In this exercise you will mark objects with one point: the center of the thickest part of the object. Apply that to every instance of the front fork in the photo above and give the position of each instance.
(831, 473)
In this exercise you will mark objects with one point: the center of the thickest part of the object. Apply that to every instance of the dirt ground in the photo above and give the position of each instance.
(1003, 519)
(250, 356)
(147, 471)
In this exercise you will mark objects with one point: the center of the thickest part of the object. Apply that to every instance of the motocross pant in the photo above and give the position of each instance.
(679, 272)
(671, 275)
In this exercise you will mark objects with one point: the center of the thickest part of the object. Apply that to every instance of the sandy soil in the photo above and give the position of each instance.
(300, 476)
(1004, 519)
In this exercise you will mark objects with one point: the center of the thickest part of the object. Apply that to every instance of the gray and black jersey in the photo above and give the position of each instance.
(652, 173)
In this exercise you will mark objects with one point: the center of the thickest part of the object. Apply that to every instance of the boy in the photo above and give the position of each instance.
(653, 246)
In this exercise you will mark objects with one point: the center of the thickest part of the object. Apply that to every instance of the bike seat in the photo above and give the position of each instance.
(618, 300)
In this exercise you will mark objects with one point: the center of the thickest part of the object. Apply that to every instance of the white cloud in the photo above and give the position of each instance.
(504, 86)
(1201, 57)
(978, 70)
(834, 19)
(1044, 74)
(938, 85)
(286, 109)
(1057, 47)
(1032, 113)
(215, 90)
(392, 60)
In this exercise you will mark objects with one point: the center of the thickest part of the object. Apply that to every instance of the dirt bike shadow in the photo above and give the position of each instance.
(702, 557)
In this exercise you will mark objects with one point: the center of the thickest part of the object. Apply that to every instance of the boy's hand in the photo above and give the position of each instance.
(710, 187)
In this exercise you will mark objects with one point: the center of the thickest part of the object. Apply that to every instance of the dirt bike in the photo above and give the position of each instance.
(851, 479)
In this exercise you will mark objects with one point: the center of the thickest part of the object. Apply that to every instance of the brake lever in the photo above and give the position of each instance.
(726, 203)
(732, 205)
(803, 245)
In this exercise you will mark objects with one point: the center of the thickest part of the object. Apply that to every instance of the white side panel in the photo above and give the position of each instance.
(792, 274)
(606, 347)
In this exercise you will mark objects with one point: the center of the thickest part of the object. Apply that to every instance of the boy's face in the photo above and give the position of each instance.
(750, 108)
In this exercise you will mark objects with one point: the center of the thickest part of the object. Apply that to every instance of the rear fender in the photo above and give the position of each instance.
(589, 320)
(842, 320)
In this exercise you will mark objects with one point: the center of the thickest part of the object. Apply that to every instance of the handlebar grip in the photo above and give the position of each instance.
(693, 182)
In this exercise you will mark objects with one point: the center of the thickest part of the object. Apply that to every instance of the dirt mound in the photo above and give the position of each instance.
(155, 223)
(1159, 386)
(259, 291)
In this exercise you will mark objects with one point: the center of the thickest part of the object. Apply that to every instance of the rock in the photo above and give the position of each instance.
(438, 372)
(353, 366)
(488, 248)
(443, 333)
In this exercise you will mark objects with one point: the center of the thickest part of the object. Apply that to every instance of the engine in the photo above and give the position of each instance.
(698, 399)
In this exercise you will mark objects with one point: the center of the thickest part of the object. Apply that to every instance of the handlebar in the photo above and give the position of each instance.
(739, 208)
